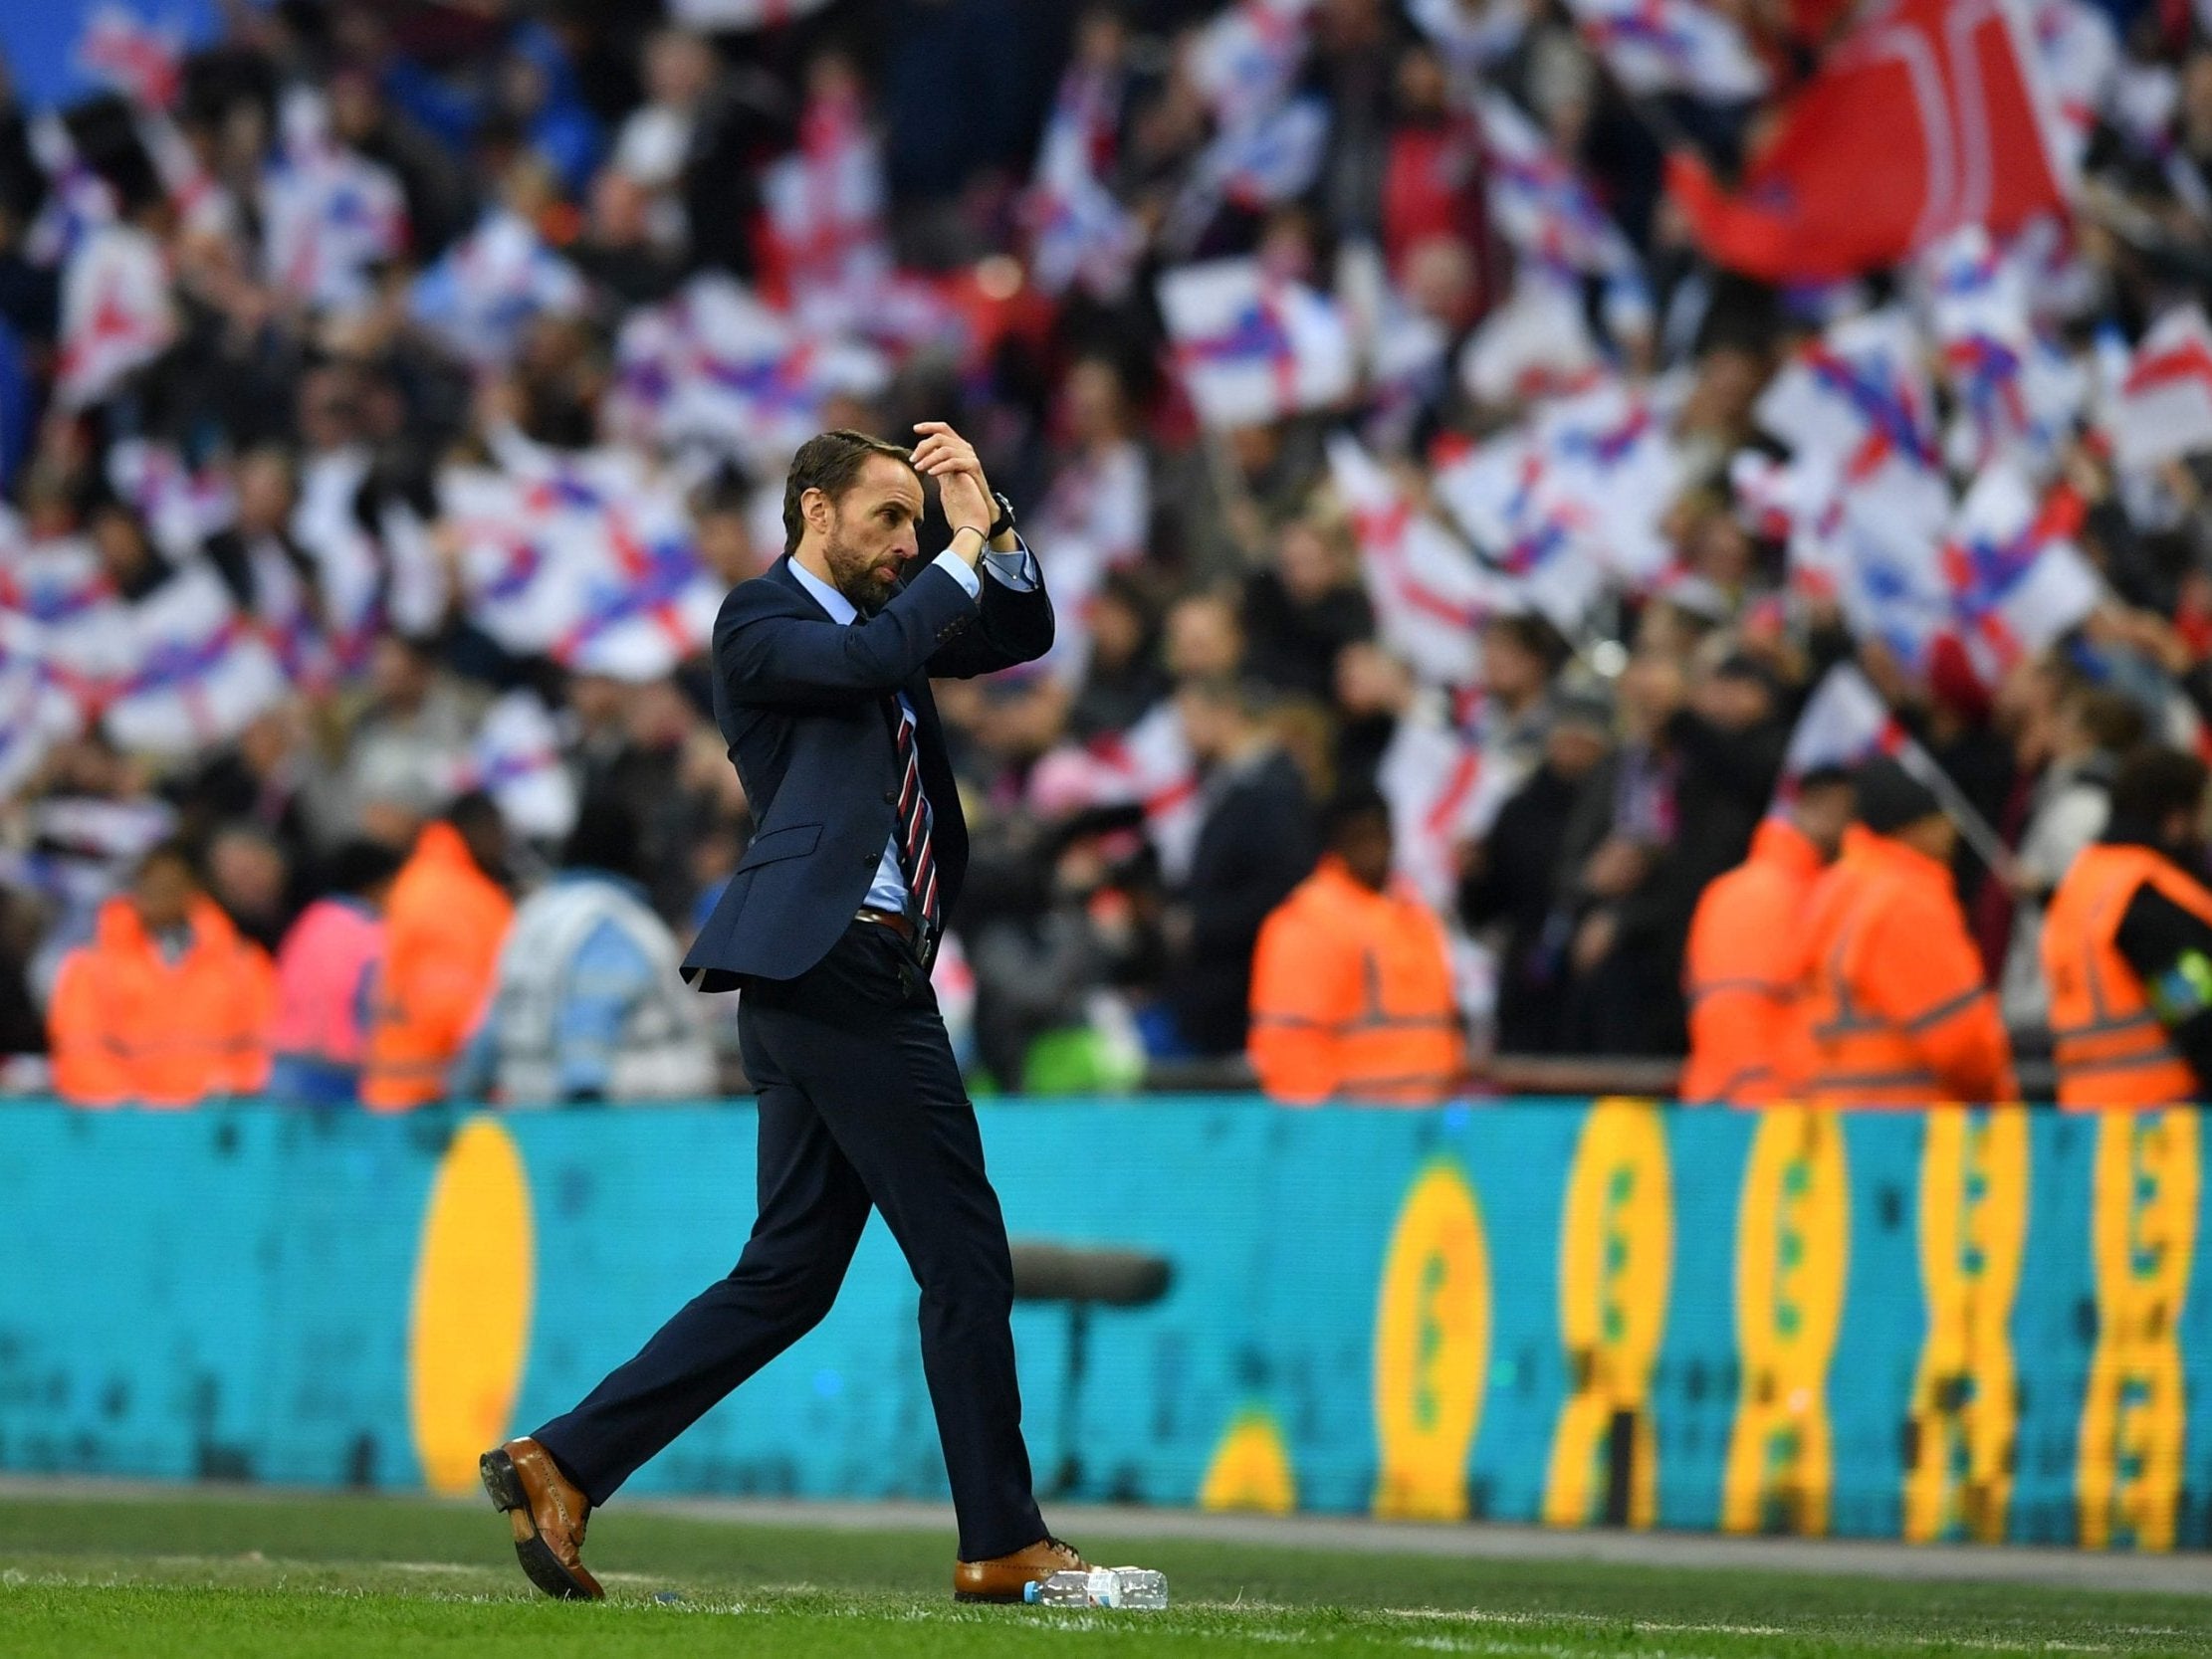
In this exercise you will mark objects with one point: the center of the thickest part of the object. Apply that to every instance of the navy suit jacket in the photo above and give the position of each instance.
(806, 706)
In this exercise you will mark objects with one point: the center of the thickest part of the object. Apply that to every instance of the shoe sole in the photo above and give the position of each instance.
(1013, 1600)
(540, 1565)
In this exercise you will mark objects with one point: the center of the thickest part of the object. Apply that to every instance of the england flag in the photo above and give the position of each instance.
(2017, 582)
(515, 757)
(1858, 394)
(1428, 592)
(1445, 786)
(199, 673)
(1079, 235)
(2162, 409)
(1845, 725)
(1244, 60)
(1252, 348)
(1672, 45)
(823, 216)
(2016, 390)
(116, 314)
(329, 216)
(490, 285)
(35, 711)
(1535, 529)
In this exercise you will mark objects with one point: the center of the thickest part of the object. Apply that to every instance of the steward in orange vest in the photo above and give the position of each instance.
(444, 924)
(168, 1005)
(1896, 1008)
(1352, 979)
(2128, 947)
(1739, 975)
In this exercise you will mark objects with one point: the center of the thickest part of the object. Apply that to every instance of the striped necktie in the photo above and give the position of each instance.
(917, 857)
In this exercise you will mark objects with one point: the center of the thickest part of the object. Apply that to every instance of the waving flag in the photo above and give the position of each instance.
(1250, 348)
(2078, 54)
(2017, 582)
(1536, 345)
(1883, 535)
(181, 508)
(715, 369)
(487, 288)
(1927, 118)
(139, 59)
(1472, 35)
(1246, 60)
(1272, 158)
(716, 16)
(1079, 235)
(116, 313)
(35, 711)
(1845, 723)
(2162, 407)
(329, 216)
(1540, 538)
(1150, 765)
(199, 673)
(515, 757)
(1856, 394)
(646, 603)
(78, 202)
(824, 215)
(1541, 205)
(1609, 454)
(1672, 45)
(1429, 594)
(62, 588)
(1445, 786)
(2017, 391)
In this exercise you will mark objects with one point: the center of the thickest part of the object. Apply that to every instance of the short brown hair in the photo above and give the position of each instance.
(830, 462)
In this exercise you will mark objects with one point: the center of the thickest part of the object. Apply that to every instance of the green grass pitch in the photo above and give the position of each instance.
(343, 1577)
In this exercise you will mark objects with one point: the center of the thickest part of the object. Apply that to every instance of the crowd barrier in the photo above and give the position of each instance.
(1963, 1324)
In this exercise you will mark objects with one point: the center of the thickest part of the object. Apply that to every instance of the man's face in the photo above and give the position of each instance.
(163, 895)
(871, 533)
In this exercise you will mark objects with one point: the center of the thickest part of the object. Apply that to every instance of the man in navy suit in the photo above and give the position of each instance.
(822, 672)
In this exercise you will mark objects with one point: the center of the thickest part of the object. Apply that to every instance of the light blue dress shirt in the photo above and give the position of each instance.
(1017, 570)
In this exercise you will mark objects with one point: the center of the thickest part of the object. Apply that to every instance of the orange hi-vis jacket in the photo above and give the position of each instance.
(1896, 1006)
(1352, 996)
(127, 1025)
(1739, 974)
(444, 924)
(2109, 1045)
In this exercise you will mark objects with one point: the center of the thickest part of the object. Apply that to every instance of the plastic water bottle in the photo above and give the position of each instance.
(1133, 1587)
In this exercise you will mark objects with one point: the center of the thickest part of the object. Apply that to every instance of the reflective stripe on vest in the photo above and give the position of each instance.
(2115, 1051)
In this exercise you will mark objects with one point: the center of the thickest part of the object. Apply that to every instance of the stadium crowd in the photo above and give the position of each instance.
(1468, 517)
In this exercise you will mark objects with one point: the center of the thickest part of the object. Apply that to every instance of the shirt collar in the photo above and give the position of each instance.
(840, 608)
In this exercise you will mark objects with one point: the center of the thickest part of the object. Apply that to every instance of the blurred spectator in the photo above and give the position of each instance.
(327, 977)
(1254, 844)
(1304, 609)
(2090, 729)
(410, 740)
(247, 876)
(2127, 946)
(1894, 1001)
(1509, 882)
(167, 1006)
(1122, 677)
(1739, 975)
(587, 1004)
(445, 922)
(1352, 994)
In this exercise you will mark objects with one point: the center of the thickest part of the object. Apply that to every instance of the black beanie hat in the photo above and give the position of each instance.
(1890, 797)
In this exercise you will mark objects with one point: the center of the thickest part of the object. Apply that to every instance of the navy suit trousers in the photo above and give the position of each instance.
(860, 1104)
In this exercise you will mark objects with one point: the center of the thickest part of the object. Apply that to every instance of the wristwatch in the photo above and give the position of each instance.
(1004, 521)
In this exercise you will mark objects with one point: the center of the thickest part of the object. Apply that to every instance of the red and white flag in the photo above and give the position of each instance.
(116, 314)
(199, 672)
(1445, 786)
(1534, 527)
(2015, 390)
(2016, 581)
(1150, 765)
(1930, 116)
(140, 60)
(1079, 235)
(1429, 594)
(487, 289)
(1672, 45)
(329, 216)
(2162, 407)
(1252, 348)
(1845, 723)
(1858, 395)
(828, 250)
(516, 759)
(1243, 62)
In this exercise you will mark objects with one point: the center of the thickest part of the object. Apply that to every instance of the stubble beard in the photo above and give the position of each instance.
(854, 575)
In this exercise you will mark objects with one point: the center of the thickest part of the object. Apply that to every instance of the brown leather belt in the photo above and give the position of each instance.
(886, 918)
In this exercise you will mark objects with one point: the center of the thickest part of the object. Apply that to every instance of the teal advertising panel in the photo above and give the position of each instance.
(1962, 1324)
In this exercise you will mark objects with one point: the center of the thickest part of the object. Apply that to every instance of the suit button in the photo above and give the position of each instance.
(890, 797)
(871, 860)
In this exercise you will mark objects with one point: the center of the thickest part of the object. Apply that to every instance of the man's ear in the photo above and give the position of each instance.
(815, 507)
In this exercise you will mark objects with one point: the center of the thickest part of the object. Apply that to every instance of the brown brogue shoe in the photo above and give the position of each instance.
(548, 1515)
(1004, 1578)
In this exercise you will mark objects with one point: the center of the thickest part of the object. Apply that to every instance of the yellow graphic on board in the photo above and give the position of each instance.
(1615, 1259)
(1251, 1468)
(1964, 1423)
(1431, 1349)
(469, 1332)
(2144, 1217)
(1793, 1247)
